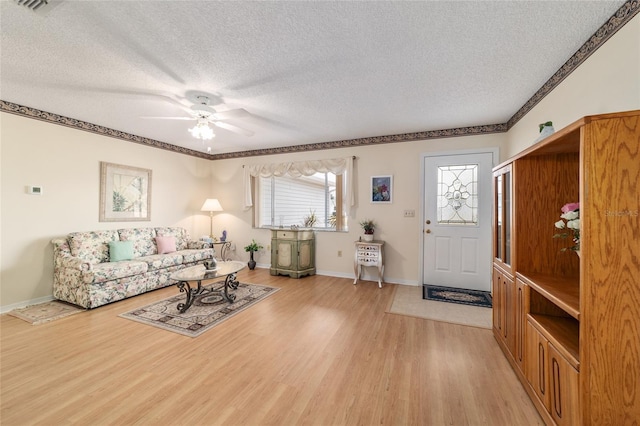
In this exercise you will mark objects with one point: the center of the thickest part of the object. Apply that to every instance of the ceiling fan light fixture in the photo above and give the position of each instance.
(202, 130)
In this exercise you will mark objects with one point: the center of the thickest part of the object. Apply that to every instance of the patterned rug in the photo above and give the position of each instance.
(207, 311)
(457, 295)
(45, 312)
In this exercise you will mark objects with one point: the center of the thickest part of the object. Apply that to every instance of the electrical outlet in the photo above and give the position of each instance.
(409, 213)
(339, 253)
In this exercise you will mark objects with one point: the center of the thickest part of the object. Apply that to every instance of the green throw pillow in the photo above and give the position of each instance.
(120, 250)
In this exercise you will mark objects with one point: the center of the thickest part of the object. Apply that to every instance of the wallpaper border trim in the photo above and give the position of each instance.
(36, 114)
(623, 15)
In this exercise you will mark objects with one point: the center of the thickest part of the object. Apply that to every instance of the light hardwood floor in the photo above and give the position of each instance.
(320, 351)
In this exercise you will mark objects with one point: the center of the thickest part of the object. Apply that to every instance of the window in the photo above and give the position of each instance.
(290, 193)
(458, 195)
(286, 201)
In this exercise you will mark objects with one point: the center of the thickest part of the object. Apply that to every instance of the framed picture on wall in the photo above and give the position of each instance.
(125, 193)
(381, 189)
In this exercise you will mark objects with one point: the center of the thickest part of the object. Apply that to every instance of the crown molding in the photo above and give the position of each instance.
(623, 15)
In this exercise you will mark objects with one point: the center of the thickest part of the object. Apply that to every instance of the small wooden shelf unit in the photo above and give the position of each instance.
(568, 324)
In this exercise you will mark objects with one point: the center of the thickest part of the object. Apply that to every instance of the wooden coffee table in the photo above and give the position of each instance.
(193, 281)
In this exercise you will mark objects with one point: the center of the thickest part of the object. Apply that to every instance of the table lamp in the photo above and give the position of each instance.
(211, 205)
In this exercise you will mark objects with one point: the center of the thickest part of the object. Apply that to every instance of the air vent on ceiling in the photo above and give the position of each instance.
(34, 5)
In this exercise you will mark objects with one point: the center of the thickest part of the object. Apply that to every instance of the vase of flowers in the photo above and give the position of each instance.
(569, 223)
(368, 226)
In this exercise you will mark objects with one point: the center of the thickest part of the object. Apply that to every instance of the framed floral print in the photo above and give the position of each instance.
(381, 189)
(125, 193)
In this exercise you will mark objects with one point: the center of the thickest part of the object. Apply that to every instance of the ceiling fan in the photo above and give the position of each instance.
(204, 115)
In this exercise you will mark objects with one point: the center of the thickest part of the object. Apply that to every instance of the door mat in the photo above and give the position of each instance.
(457, 295)
(207, 311)
(46, 312)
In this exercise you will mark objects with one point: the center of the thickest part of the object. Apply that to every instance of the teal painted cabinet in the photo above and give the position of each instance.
(293, 252)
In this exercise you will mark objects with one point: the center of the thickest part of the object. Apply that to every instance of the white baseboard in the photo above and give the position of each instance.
(366, 276)
(9, 308)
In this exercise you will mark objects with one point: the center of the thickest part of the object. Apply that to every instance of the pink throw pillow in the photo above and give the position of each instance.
(166, 244)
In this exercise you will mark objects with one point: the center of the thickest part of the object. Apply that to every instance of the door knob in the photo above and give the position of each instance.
(428, 222)
(428, 231)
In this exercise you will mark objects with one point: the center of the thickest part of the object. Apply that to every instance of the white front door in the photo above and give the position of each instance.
(457, 221)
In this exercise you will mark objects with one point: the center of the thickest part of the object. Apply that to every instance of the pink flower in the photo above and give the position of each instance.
(570, 207)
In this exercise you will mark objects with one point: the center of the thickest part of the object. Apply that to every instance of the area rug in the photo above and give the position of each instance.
(207, 311)
(457, 295)
(407, 300)
(45, 312)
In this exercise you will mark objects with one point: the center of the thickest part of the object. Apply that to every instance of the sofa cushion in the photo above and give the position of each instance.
(166, 244)
(92, 246)
(142, 238)
(194, 255)
(181, 235)
(113, 270)
(120, 250)
(161, 261)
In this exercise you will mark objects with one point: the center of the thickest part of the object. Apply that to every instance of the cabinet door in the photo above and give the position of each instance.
(509, 299)
(564, 390)
(503, 217)
(285, 250)
(498, 314)
(537, 365)
(305, 254)
(521, 308)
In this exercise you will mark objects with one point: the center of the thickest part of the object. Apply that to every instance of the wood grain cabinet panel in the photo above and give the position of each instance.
(537, 366)
(498, 314)
(521, 311)
(564, 381)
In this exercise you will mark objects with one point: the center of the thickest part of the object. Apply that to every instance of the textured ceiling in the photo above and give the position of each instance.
(306, 72)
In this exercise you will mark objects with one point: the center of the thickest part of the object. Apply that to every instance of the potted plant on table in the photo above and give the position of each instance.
(368, 226)
(254, 246)
(310, 221)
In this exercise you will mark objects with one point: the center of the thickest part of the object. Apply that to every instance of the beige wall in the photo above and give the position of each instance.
(402, 235)
(66, 163)
(608, 81)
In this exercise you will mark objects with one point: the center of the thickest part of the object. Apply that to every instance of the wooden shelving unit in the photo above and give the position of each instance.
(562, 333)
(577, 318)
(562, 292)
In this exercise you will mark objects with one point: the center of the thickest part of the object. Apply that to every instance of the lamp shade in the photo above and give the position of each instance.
(211, 205)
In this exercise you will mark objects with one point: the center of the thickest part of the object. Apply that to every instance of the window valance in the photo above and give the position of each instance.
(295, 169)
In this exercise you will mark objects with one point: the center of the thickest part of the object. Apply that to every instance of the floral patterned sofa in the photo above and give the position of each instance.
(87, 274)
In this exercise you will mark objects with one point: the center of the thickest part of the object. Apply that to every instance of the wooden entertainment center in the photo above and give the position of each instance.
(568, 324)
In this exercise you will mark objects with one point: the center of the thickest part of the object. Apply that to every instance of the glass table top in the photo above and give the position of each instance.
(199, 272)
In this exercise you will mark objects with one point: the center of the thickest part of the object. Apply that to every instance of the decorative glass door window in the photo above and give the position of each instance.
(457, 202)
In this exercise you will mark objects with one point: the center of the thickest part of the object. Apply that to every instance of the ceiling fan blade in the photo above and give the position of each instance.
(232, 128)
(232, 113)
(170, 118)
